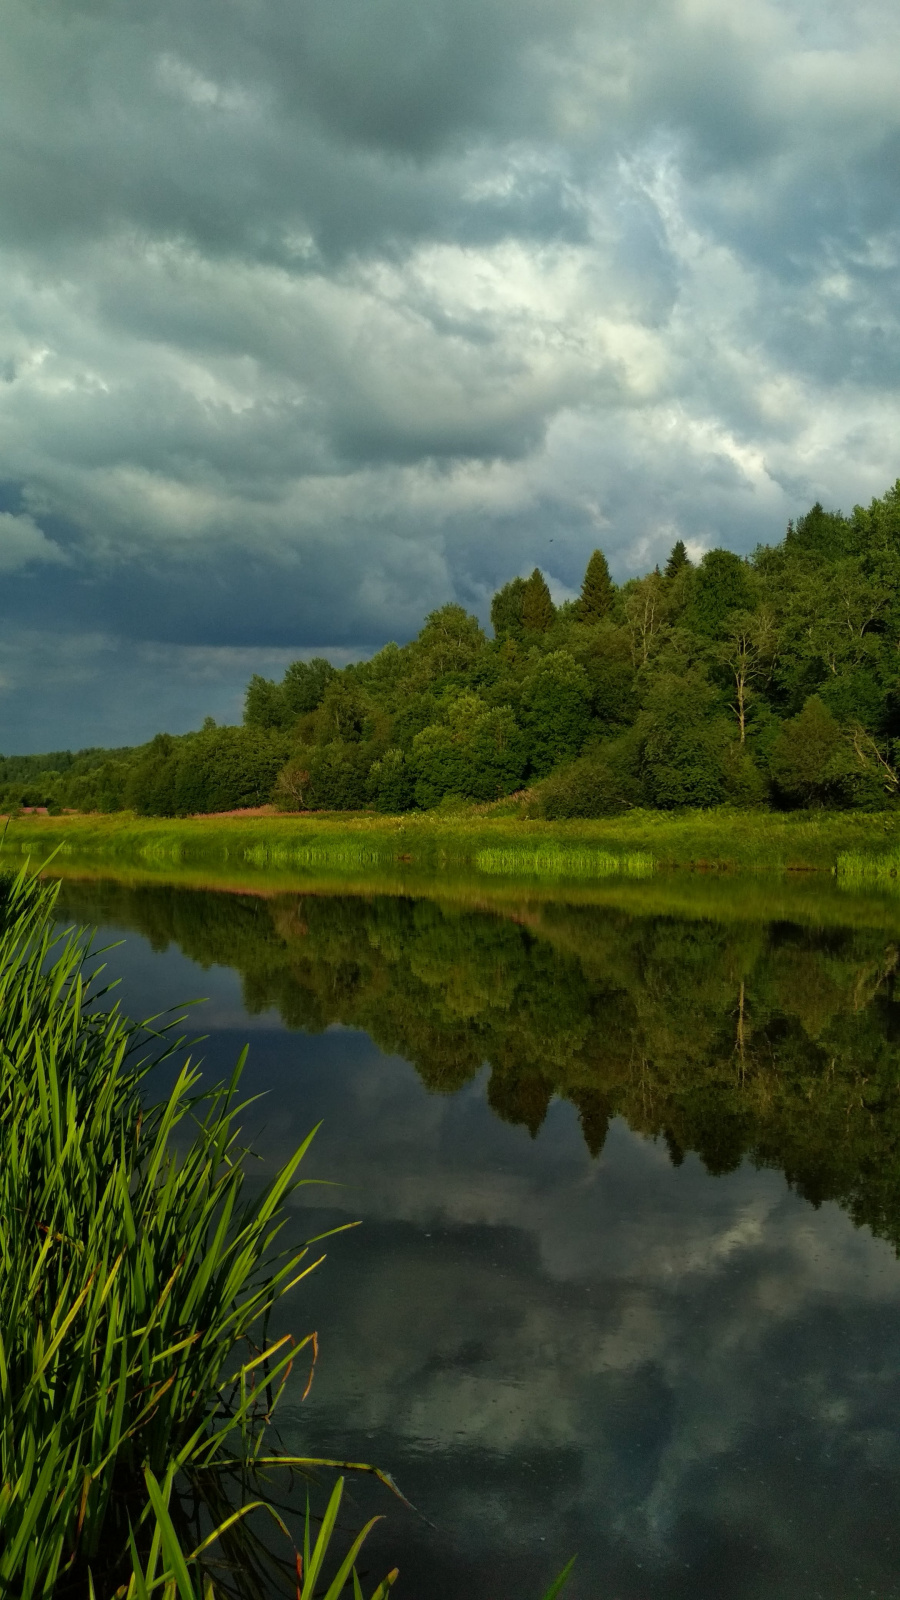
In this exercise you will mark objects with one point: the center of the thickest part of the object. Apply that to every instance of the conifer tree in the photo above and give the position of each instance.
(677, 560)
(538, 610)
(596, 590)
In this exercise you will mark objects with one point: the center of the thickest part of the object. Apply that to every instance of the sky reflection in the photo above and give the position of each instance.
(692, 1381)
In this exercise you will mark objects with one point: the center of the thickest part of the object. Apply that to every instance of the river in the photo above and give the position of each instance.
(627, 1167)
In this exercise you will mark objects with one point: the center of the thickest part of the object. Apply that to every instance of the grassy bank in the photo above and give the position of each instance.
(707, 840)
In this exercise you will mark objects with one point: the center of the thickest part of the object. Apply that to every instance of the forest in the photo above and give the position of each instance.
(766, 681)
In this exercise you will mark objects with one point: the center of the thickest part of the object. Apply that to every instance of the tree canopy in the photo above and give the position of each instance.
(768, 679)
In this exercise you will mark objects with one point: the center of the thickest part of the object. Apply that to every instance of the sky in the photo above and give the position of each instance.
(318, 314)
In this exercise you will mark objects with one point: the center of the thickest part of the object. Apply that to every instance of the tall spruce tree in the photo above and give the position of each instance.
(538, 610)
(597, 589)
(677, 560)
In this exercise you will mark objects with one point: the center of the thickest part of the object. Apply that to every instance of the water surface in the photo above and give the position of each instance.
(627, 1168)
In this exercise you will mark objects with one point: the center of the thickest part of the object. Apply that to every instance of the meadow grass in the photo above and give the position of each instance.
(719, 839)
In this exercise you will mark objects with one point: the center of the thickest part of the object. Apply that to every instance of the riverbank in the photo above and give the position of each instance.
(491, 845)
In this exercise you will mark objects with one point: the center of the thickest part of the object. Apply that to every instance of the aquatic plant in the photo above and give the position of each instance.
(563, 863)
(855, 865)
(171, 1574)
(136, 1283)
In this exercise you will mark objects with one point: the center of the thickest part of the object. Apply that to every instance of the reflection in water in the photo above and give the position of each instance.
(770, 1040)
(646, 1349)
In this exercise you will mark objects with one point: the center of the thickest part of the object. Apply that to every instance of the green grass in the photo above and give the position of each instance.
(559, 862)
(718, 839)
(883, 868)
(136, 1284)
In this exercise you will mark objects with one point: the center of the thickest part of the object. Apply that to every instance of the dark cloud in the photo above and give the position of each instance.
(315, 316)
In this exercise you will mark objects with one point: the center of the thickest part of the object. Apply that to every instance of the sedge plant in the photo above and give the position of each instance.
(136, 1276)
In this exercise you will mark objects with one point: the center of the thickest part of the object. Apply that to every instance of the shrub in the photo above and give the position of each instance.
(390, 784)
(814, 763)
(599, 784)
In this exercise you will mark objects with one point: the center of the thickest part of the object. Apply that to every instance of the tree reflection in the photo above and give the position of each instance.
(767, 1040)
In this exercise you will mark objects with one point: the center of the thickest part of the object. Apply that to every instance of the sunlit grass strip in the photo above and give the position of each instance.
(294, 855)
(135, 1284)
(857, 866)
(565, 863)
(431, 841)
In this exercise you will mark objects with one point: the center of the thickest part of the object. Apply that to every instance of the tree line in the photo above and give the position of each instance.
(770, 680)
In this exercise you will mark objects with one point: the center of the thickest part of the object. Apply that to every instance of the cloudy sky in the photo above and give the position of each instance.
(316, 314)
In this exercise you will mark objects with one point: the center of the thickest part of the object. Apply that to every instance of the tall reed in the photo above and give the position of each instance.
(857, 865)
(135, 1284)
(564, 862)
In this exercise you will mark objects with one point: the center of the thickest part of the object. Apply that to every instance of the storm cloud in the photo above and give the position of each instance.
(317, 316)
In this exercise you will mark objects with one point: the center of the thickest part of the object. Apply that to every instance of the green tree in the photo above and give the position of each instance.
(264, 704)
(684, 742)
(150, 787)
(391, 782)
(217, 769)
(344, 713)
(678, 560)
(304, 684)
(449, 644)
(277, 705)
(721, 585)
(478, 753)
(338, 773)
(747, 651)
(225, 769)
(538, 610)
(506, 609)
(811, 759)
(597, 590)
(646, 613)
(556, 710)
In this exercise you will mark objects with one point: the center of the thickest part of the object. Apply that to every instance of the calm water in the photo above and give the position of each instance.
(629, 1178)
